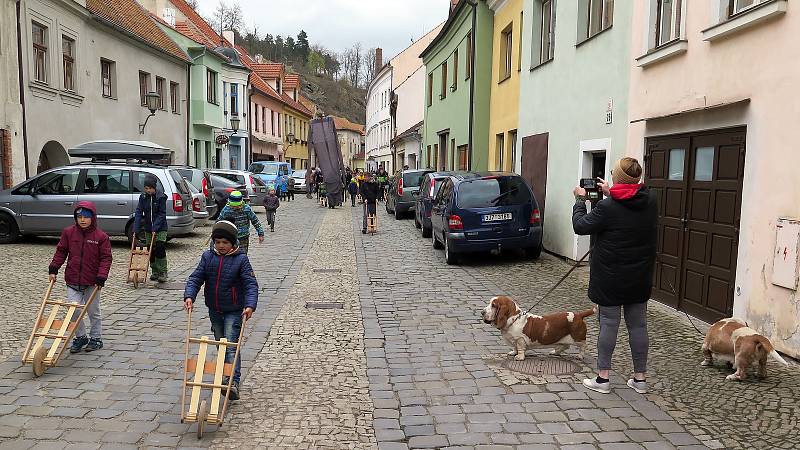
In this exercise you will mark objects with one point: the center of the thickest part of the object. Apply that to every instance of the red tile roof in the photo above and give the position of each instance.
(133, 18)
(291, 81)
(297, 106)
(269, 71)
(200, 23)
(343, 124)
(260, 85)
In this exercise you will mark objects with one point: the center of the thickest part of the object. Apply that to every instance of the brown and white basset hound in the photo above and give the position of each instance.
(731, 340)
(524, 331)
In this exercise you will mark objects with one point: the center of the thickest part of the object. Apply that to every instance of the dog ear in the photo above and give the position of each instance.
(504, 310)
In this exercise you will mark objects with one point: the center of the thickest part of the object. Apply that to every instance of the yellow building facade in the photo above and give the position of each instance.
(507, 63)
(296, 124)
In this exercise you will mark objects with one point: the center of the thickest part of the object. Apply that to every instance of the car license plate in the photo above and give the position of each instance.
(497, 217)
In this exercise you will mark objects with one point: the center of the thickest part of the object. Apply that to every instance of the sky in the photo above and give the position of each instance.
(338, 24)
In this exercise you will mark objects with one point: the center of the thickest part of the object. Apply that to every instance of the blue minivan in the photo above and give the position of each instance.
(484, 211)
(270, 171)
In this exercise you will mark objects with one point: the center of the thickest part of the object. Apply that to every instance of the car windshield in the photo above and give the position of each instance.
(299, 174)
(188, 174)
(233, 177)
(489, 192)
(413, 179)
(266, 169)
(219, 181)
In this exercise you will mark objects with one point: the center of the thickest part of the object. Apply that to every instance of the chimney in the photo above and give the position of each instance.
(378, 59)
(229, 36)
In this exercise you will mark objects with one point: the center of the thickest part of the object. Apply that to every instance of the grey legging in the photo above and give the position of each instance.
(636, 321)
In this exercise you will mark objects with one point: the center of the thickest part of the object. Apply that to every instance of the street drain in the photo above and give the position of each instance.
(325, 305)
(327, 270)
(542, 366)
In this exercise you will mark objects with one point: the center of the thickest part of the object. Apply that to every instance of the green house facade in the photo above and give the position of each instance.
(458, 64)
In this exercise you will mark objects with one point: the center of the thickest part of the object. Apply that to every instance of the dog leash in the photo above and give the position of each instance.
(553, 288)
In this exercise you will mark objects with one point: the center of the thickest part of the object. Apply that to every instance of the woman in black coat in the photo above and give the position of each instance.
(621, 276)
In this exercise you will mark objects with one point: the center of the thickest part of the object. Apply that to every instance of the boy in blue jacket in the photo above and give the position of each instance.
(231, 291)
(151, 214)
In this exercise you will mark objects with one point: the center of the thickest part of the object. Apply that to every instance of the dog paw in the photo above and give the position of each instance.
(512, 353)
(705, 363)
(733, 377)
(520, 357)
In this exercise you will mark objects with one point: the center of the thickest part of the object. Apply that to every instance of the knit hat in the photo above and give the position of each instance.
(225, 230)
(235, 199)
(84, 212)
(150, 181)
(627, 171)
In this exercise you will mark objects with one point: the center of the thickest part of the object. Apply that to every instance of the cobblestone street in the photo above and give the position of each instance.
(399, 359)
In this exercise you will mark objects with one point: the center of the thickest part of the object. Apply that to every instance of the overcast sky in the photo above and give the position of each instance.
(337, 24)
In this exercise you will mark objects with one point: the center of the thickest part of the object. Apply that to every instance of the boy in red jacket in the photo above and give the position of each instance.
(87, 251)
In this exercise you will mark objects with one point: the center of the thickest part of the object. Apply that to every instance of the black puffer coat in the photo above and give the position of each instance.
(625, 247)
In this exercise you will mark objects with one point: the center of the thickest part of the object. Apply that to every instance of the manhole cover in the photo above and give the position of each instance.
(171, 286)
(327, 270)
(326, 305)
(542, 366)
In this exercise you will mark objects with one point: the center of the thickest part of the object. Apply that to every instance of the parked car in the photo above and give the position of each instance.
(474, 212)
(199, 211)
(403, 191)
(44, 205)
(431, 183)
(299, 180)
(255, 187)
(270, 171)
(222, 190)
(201, 180)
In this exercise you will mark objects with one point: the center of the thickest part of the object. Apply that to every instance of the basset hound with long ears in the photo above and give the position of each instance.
(732, 341)
(524, 331)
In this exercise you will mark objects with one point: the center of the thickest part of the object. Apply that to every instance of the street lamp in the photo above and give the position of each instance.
(151, 99)
(235, 124)
(290, 138)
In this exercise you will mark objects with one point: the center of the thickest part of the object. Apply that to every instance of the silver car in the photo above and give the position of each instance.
(299, 180)
(44, 205)
(199, 211)
(256, 189)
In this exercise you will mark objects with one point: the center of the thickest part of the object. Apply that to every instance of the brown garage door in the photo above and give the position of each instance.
(534, 166)
(698, 181)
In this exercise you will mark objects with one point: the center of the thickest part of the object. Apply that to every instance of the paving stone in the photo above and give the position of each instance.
(428, 441)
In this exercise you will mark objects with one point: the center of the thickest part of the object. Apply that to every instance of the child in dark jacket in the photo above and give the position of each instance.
(231, 291)
(87, 251)
(152, 213)
(271, 204)
(352, 189)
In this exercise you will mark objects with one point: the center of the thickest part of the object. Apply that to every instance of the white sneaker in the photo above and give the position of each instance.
(638, 386)
(603, 388)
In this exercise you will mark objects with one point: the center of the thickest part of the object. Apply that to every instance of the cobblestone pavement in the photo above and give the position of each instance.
(436, 376)
(309, 388)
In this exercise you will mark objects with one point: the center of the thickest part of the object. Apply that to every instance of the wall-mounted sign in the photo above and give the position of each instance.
(222, 139)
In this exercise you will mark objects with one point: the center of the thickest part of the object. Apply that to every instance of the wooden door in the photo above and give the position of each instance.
(534, 166)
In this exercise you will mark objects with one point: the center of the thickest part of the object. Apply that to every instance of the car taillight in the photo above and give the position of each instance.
(455, 223)
(433, 184)
(253, 182)
(177, 202)
(536, 217)
(204, 184)
(400, 187)
(196, 204)
(229, 190)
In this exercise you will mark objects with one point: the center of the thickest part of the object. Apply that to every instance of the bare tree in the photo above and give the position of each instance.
(192, 4)
(352, 64)
(369, 68)
(228, 17)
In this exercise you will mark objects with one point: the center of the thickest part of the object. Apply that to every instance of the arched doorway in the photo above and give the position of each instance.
(53, 155)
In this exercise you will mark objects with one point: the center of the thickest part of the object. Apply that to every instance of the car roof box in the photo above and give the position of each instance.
(124, 150)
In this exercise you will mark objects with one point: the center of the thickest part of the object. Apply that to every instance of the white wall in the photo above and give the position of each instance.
(10, 106)
(378, 126)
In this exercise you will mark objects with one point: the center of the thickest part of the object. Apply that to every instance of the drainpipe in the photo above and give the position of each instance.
(188, 113)
(474, 5)
(22, 93)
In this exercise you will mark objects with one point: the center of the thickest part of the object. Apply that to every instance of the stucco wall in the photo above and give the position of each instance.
(727, 70)
(568, 98)
(410, 101)
(504, 113)
(378, 119)
(10, 106)
(71, 119)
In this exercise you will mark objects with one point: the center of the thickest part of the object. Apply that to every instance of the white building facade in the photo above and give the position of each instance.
(378, 126)
(235, 88)
(12, 166)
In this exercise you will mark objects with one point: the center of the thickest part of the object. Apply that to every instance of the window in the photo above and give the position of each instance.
(443, 91)
(234, 99)
(263, 119)
(499, 150)
(107, 181)
(737, 6)
(272, 124)
(506, 51)
(211, 87)
(160, 92)
(512, 142)
(254, 116)
(68, 57)
(469, 56)
(428, 157)
(487, 193)
(519, 50)
(60, 182)
(594, 16)
(668, 21)
(39, 52)
(547, 32)
(108, 78)
(430, 89)
(140, 177)
(175, 97)
(225, 97)
(463, 158)
(144, 87)
(455, 71)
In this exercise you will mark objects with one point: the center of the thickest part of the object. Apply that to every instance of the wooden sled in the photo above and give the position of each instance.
(372, 223)
(139, 263)
(58, 327)
(207, 410)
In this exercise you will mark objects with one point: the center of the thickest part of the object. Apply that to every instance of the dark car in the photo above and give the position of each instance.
(222, 190)
(201, 180)
(403, 191)
(485, 211)
(431, 183)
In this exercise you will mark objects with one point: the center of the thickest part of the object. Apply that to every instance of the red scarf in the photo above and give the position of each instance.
(624, 191)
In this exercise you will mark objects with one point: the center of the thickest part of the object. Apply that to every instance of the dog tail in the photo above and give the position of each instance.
(587, 313)
(777, 357)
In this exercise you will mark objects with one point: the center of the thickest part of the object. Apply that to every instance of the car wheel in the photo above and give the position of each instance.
(436, 244)
(533, 252)
(129, 231)
(426, 232)
(416, 222)
(397, 214)
(388, 211)
(216, 213)
(449, 256)
(9, 232)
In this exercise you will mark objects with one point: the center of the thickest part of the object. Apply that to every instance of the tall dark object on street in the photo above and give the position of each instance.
(324, 144)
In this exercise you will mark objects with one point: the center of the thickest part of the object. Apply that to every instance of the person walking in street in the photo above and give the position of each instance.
(242, 215)
(621, 275)
(318, 181)
(352, 189)
(231, 292)
(369, 192)
(87, 251)
(271, 204)
(151, 211)
(289, 189)
(383, 179)
(309, 182)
